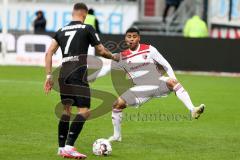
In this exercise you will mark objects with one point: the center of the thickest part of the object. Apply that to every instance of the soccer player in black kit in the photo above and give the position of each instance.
(74, 40)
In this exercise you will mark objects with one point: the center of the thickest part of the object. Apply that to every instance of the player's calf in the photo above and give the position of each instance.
(63, 127)
(183, 95)
(118, 106)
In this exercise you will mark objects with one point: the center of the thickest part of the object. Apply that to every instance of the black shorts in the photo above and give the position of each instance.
(74, 88)
(78, 101)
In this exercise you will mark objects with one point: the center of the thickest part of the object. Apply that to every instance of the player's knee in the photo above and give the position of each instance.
(119, 104)
(171, 83)
(67, 110)
(85, 112)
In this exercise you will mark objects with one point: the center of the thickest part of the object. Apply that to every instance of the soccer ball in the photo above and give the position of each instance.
(102, 147)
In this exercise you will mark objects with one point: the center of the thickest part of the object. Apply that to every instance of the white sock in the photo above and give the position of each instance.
(67, 147)
(182, 94)
(60, 148)
(116, 121)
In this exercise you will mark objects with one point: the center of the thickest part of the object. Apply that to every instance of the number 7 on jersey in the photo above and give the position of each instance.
(71, 34)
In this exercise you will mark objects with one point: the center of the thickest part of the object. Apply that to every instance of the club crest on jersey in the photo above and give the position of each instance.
(145, 56)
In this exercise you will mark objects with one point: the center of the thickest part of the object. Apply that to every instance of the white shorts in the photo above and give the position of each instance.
(140, 94)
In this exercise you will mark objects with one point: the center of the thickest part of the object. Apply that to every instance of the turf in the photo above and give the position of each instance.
(28, 129)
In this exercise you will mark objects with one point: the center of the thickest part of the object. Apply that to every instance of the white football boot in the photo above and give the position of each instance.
(198, 111)
(115, 139)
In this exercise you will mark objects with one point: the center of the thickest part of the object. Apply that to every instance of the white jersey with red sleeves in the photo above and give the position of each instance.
(142, 65)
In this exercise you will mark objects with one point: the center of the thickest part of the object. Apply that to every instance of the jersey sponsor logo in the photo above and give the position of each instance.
(70, 59)
(140, 65)
(130, 56)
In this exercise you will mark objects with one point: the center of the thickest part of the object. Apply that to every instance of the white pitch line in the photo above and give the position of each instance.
(194, 73)
(215, 74)
(20, 81)
(11, 81)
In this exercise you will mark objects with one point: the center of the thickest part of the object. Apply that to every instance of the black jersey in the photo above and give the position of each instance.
(75, 38)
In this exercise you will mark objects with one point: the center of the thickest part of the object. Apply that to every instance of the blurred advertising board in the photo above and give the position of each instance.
(224, 18)
(113, 18)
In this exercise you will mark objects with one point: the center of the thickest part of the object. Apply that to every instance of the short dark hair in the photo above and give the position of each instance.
(39, 12)
(91, 11)
(80, 6)
(133, 29)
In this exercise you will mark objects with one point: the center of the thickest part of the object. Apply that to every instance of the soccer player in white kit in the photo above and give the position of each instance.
(143, 64)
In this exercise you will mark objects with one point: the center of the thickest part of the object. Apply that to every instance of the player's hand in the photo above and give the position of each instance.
(116, 57)
(48, 85)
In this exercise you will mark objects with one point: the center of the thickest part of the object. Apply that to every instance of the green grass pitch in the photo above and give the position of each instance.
(28, 129)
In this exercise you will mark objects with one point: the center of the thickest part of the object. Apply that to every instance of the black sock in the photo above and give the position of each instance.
(63, 128)
(75, 129)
